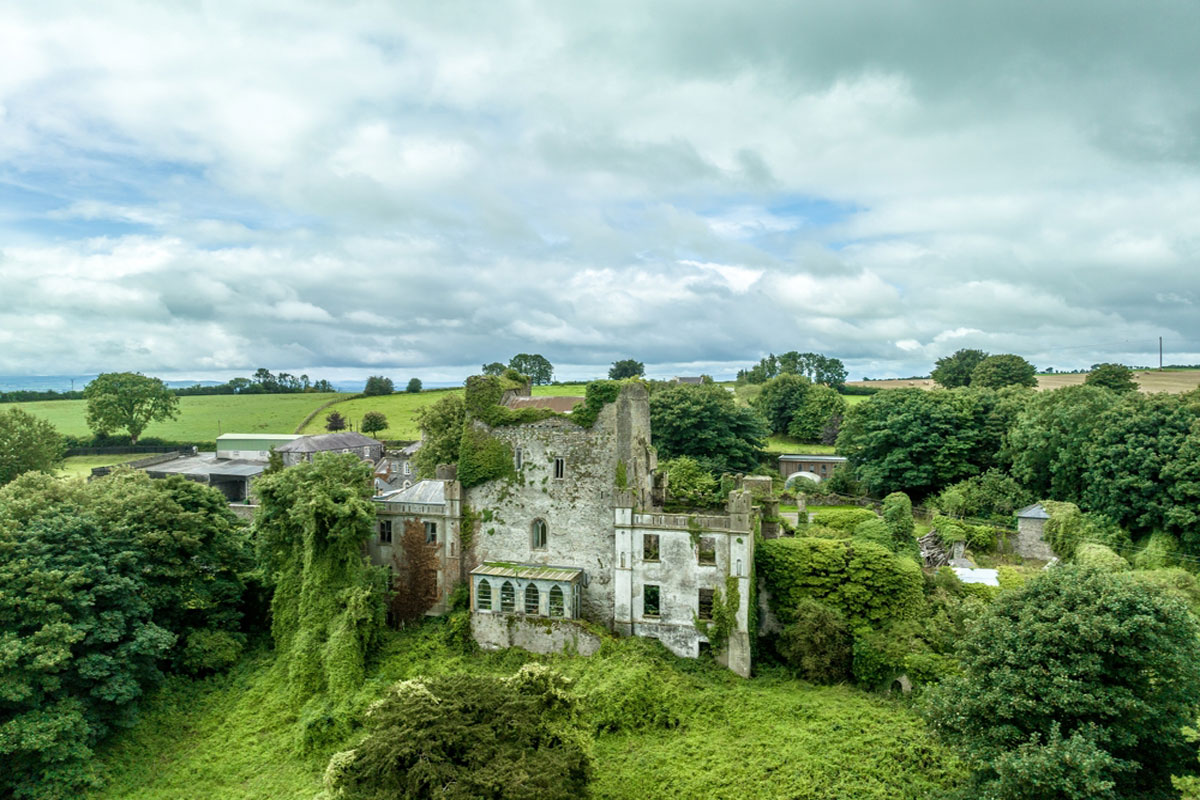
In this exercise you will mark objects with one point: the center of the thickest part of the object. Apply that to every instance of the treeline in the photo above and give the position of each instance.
(262, 382)
(814, 366)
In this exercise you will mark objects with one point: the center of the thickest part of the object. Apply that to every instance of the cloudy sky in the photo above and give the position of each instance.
(347, 189)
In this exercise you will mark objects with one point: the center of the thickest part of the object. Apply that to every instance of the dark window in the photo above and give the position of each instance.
(706, 603)
(650, 547)
(518, 461)
(385, 531)
(560, 467)
(430, 533)
(532, 598)
(508, 597)
(650, 607)
(483, 596)
(708, 550)
(556, 601)
(539, 534)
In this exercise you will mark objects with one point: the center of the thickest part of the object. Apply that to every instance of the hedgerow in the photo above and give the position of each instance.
(843, 519)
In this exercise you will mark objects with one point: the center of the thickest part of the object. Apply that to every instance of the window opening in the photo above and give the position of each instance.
(650, 605)
(556, 601)
(560, 467)
(430, 533)
(540, 534)
(708, 550)
(518, 461)
(483, 596)
(385, 531)
(508, 597)
(532, 599)
(407, 468)
(705, 604)
(650, 547)
(431, 584)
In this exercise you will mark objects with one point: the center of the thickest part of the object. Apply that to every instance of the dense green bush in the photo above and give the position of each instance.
(846, 519)
(1097, 556)
(1090, 677)
(460, 737)
(875, 531)
(1068, 527)
(689, 485)
(863, 581)
(994, 494)
(818, 645)
(1156, 551)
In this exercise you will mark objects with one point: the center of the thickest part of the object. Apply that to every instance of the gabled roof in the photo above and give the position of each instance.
(432, 493)
(1035, 511)
(328, 441)
(527, 571)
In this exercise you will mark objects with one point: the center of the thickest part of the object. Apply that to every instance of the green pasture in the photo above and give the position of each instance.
(786, 444)
(201, 418)
(402, 408)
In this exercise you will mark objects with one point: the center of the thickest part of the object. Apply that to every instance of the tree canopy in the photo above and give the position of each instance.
(995, 372)
(626, 368)
(702, 421)
(414, 386)
(534, 366)
(781, 397)
(127, 401)
(27, 444)
(378, 385)
(1078, 685)
(955, 370)
(814, 366)
(373, 422)
(334, 421)
(441, 433)
(1117, 377)
(494, 368)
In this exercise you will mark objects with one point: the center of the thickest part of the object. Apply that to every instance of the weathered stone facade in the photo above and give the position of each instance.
(580, 500)
(1030, 541)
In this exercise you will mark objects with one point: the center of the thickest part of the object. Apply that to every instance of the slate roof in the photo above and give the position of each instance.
(1035, 511)
(431, 493)
(527, 571)
(348, 440)
(813, 457)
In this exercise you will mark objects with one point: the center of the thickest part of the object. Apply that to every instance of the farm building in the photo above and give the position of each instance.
(818, 467)
(1030, 541)
(303, 448)
(252, 446)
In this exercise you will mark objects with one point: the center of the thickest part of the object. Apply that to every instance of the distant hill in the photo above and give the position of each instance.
(1172, 381)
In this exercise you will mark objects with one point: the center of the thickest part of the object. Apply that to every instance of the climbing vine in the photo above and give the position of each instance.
(597, 395)
(724, 616)
(482, 457)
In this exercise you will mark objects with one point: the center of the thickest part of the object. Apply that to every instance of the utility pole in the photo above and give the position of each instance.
(1160, 369)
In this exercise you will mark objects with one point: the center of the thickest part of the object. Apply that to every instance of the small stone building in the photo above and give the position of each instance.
(1030, 541)
(819, 466)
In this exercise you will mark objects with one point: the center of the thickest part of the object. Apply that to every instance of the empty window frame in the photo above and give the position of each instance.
(705, 604)
(532, 599)
(560, 468)
(707, 551)
(508, 597)
(483, 596)
(385, 531)
(650, 547)
(430, 533)
(650, 600)
(539, 534)
(407, 468)
(557, 606)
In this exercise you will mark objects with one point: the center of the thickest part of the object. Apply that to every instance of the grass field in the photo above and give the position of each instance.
(201, 418)
(401, 409)
(786, 444)
(233, 736)
(1173, 381)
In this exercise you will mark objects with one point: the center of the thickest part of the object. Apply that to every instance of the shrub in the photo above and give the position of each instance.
(1097, 556)
(841, 481)
(865, 582)
(818, 645)
(689, 484)
(1157, 552)
(874, 531)
(843, 518)
(1068, 527)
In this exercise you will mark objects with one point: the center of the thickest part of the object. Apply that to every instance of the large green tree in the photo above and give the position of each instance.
(127, 401)
(1082, 684)
(702, 421)
(1006, 369)
(781, 397)
(534, 366)
(27, 444)
(822, 408)
(441, 433)
(378, 385)
(626, 368)
(1117, 377)
(955, 370)
(1051, 436)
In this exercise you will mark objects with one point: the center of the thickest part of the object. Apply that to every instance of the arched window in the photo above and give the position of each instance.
(508, 597)
(483, 596)
(539, 534)
(556, 601)
(531, 599)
